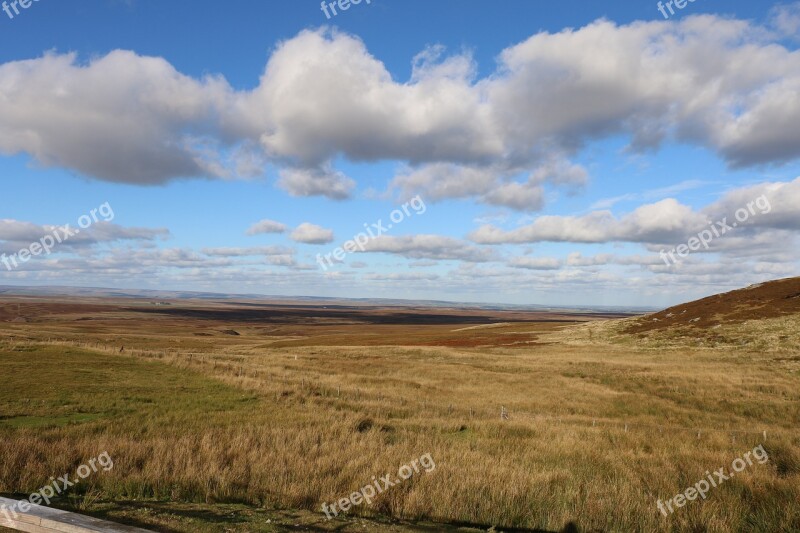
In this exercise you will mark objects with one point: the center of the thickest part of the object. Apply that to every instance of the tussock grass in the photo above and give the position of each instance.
(240, 421)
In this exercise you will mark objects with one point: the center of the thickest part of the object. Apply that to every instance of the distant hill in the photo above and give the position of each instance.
(773, 299)
(100, 292)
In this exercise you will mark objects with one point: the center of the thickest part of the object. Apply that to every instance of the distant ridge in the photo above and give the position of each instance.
(101, 292)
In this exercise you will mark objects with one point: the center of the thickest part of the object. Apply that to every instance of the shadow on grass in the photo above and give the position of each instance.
(571, 527)
(126, 512)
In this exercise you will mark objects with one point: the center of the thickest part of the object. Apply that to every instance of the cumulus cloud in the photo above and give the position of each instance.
(497, 185)
(664, 221)
(755, 222)
(521, 196)
(266, 226)
(772, 205)
(316, 182)
(121, 117)
(577, 259)
(725, 84)
(311, 234)
(438, 116)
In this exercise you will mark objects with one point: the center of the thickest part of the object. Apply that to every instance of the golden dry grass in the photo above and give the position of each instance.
(277, 419)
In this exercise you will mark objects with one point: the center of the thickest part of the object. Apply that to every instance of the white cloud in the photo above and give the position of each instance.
(724, 84)
(122, 117)
(316, 182)
(408, 276)
(250, 251)
(24, 233)
(317, 82)
(434, 247)
(664, 221)
(577, 259)
(769, 233)
(654, 194)
(311, 234)
(520, 196)
(772, 205)
(785, 18)
(266, 226)
(494, 185)
(535, 263)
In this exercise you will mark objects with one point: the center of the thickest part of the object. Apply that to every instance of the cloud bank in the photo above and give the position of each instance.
(726, 85)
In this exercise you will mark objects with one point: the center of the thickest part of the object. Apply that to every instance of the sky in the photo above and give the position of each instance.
(575, 153)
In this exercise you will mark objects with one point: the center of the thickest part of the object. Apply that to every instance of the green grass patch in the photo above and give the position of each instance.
(53, 387)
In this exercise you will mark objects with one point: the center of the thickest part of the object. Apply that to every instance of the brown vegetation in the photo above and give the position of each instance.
(297, 411)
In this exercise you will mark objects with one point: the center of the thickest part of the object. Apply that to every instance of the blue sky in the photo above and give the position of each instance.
(557, 148)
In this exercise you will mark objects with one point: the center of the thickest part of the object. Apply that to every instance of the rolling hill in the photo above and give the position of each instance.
(763, 301)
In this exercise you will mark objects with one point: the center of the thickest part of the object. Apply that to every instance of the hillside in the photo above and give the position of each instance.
(763, 317)
(773, 299)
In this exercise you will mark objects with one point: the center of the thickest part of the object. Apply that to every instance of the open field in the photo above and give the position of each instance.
(226, 416)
